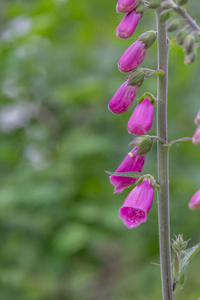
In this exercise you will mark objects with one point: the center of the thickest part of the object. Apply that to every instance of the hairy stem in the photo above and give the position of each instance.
(186, 16)
(163, 163)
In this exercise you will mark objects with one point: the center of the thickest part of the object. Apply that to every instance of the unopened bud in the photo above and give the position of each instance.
(154, 4)
(148, 37)
(140, 8)
(188, 43)
(172, 25)
(166, 5)
(181, 36)
(179, 244)
(181, 2)
(164, 16)
(190, 57)
(137, 77)
(145, 146)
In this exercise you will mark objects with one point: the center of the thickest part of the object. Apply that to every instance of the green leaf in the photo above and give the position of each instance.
(125, 174)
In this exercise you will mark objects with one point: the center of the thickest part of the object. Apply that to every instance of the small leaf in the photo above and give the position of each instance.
(125, 174)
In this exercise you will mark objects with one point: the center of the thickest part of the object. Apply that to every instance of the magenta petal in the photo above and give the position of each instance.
(195, 201)
(132, 57)
(142, 118)
(123, 98)
(124, 6)
(137, 205)
(129, 164)
(196, 136)
(128, 25)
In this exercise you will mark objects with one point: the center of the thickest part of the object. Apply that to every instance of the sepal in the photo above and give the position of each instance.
(136, 77)
(148, 37)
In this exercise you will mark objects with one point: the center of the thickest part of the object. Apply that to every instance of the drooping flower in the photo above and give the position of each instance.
(142, 118)
(128, 25)
(124, 6)
(196, 136)
(137, 204)
(132, 57)
(123, 98)
(131, 163)
(197, 119)
(195, 201)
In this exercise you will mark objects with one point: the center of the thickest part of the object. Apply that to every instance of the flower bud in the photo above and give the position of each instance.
(196, 136)
(123, 98)
(164, 16)
(145, 146)
(188, 43)
(166, 5)
(128, 25)
(131, 163)
(197, 119)
(148, 37)
(190, 57)
(142, 118)
(182, 2)
(132, 57)
(154, 4)
(181, 36)
(137, 77)
(172, 25)
(124, 6)
(179, 244)
(137, 205)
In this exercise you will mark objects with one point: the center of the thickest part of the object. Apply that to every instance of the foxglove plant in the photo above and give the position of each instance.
(139, 201)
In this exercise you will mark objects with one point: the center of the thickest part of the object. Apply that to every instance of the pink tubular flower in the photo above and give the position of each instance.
(197, 119)
(123, 98)
(131, 163)
(128, 25)
(195, 201)
(196, 136)
(124, 6)
(137, 204)
(142, 118)
(132, 57)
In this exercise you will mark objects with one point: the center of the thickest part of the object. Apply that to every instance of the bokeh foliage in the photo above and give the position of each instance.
(60, 234)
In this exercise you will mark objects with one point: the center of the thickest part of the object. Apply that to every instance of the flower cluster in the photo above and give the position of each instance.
(139, 201)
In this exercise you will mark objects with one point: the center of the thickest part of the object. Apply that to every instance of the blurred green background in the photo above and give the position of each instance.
(60, 235)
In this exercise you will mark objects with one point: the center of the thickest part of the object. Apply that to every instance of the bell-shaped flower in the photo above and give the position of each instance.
(131, 163)
(196, 136)
(137, 204)
(142, 118)
(195, 201)
(132, 57)
(128, 25)
(123, 98)
(124, 6)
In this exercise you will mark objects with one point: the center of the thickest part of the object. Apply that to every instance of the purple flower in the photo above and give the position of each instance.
(196, 136)
(124, 6)
(195, 201)
(142, 118)
(123, 98)
(137, 204)
(128, 25)
(131, 163)
(132, 57)
(197, 119)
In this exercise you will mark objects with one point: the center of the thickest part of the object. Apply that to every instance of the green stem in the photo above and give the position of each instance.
(163, 163)
(181, 11)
